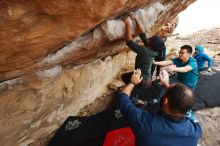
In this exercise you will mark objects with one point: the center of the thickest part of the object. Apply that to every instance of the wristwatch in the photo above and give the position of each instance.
(132, 82)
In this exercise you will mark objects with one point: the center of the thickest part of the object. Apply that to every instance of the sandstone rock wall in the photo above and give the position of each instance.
(35, 108)
(32, 30)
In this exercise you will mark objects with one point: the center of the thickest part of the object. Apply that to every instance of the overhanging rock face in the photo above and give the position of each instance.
(33, 30)
(101, 37)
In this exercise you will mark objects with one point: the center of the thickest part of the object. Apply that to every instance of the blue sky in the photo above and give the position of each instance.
(202, 14)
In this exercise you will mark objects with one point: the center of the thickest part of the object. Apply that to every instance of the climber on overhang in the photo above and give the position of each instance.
(145, 53)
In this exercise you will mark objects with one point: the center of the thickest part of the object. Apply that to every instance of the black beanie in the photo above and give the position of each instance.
(156, 43)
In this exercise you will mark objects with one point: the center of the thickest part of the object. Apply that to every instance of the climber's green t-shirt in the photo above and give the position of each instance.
(144, 56)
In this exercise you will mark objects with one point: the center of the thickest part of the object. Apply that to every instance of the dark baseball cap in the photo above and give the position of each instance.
(157, 43)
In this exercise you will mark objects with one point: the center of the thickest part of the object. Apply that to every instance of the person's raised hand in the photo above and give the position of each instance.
(136, 77)
(133, 17)
(127, 21)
